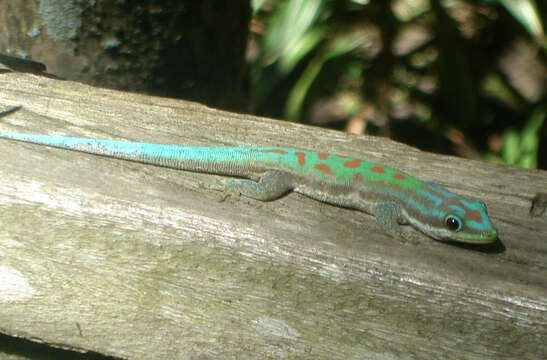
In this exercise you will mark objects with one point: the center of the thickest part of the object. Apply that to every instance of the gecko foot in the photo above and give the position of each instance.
(408, 238)
(221, 186)
(388, 215)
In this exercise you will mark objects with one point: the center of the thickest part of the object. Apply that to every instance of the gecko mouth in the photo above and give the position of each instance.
(484, 237)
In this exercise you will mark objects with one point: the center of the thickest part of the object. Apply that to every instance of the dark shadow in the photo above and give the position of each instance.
(31, 350)
(17, 64)
(10, 111)
(496, 247)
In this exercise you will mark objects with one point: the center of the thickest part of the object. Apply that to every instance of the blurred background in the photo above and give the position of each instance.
(456, 77)
(466, 78)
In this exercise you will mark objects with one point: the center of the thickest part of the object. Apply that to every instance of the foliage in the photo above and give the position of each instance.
(451, 76)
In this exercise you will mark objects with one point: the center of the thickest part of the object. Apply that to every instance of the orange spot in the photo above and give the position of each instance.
(301, 157)
(324, 168)
(399, 176)
(352, 163)
(378, 170)
(322, 155)
(342, 156)
(278, 151)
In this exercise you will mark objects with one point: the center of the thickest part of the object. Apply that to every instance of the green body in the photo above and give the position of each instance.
(392, 196)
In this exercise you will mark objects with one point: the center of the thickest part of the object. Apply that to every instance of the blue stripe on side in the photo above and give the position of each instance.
(437, 201)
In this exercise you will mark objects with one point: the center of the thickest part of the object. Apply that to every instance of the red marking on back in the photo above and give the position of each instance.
(342, 156)
(278, 151)
(378, 170)
(322, 155)
(352, 163)
(301, 157)
(324, 168)
(399, 176)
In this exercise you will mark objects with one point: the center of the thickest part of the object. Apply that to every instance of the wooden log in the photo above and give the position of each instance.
(141, 262)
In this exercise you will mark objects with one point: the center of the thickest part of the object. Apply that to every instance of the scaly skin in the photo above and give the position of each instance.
(392, 196)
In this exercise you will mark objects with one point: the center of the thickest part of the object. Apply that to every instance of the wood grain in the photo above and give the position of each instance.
(141, 262)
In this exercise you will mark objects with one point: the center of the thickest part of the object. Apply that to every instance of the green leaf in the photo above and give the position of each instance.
(511, 147)
(289, 27)
(338, 46)
(257, 5)
(530, 140)
(522, 149)
(301, 48)
(525, 12)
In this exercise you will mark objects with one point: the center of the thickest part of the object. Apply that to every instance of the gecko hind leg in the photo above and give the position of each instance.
(272, 185)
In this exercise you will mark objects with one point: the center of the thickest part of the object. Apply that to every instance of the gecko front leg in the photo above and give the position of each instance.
(388, 215)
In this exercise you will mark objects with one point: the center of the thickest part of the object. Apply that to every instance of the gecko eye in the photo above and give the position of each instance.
(484, 206)
(453, 223)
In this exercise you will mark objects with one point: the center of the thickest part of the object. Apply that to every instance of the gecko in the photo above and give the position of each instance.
(266, 173)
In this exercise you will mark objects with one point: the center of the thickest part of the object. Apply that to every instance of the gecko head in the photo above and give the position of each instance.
(453, 217)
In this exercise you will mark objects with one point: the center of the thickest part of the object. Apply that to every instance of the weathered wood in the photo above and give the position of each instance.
(141, 262)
